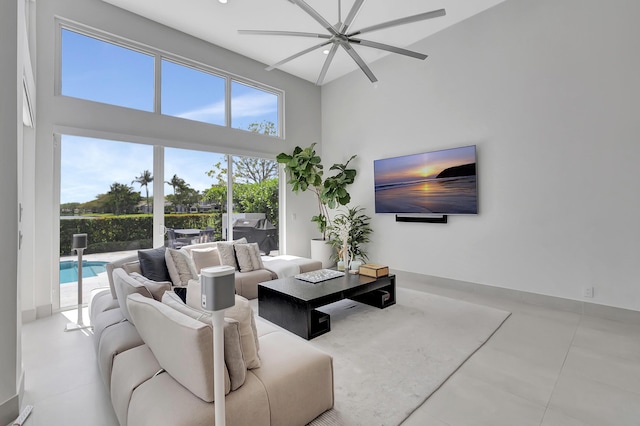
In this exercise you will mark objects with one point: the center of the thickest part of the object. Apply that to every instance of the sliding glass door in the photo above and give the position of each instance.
(106, 191)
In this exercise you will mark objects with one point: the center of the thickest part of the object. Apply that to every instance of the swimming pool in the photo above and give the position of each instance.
(69, 270)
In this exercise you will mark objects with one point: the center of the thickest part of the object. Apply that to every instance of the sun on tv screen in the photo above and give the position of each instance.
(437, 182)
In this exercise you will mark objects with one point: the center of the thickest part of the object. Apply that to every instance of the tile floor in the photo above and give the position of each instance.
(542, 367)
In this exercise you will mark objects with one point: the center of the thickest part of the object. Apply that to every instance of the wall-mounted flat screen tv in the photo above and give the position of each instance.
(437, 182)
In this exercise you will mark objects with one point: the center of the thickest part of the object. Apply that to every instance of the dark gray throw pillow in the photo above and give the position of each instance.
(153, 264)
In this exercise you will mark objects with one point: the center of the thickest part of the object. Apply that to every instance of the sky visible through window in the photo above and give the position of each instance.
(104, 72)
(89, 167)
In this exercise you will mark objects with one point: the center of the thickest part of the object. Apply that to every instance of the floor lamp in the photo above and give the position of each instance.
(218, 293)
(79, 243)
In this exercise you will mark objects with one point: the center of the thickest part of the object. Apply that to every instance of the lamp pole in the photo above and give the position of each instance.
(218, 293)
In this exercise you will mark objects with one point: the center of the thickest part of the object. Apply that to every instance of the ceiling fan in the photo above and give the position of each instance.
(340, 36)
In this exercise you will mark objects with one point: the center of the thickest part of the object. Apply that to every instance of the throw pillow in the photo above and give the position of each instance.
(240, 312)
(156, 288)
(180, 266)
(130, 267)
(153, 264)
(243, 313)
(243, 255)
(227, 252)
(233, 356)
(204, 258)
(182, 346)
(126, 284)
(256, 259)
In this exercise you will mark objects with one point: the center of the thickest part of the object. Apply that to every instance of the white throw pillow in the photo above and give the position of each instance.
(243, 254)
(181, 267)
(233, 355)
(228, 253)
(204, 258)
(240, 312)
(248, 256)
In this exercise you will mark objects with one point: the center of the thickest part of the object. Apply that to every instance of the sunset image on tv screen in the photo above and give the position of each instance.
(440, 182)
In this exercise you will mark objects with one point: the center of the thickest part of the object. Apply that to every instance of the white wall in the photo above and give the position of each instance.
(549, 92)
(60, 114)
(11, 43)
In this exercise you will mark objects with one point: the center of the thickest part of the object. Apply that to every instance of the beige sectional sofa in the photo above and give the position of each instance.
(155, 355)
(246, 283)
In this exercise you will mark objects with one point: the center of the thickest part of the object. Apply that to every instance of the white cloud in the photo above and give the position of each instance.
(254, 104)
(213, 113)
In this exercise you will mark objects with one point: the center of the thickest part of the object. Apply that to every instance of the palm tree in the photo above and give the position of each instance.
(144, 179)
(175, 182)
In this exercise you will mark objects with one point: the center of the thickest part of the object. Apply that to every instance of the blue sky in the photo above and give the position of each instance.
(103, 72)
(89, 167)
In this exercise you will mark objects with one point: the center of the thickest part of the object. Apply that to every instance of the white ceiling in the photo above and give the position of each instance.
(219, 24)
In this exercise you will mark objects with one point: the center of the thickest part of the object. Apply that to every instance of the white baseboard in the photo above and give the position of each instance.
(44, 311)
(29, 315)
(553, 302)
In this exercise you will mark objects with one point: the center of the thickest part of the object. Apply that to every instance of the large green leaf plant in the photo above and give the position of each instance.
(305, 170)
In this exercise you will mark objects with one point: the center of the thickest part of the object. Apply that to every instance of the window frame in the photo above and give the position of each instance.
(160, 55)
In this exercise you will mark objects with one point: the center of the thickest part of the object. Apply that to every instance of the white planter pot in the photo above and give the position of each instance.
(322, 251)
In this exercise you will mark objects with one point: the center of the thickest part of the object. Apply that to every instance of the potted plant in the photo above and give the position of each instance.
(348, 234)
(305, 172)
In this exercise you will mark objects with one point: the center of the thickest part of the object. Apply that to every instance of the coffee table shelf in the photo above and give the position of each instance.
(291, 303)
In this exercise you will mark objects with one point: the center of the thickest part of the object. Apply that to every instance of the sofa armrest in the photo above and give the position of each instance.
(117, 264)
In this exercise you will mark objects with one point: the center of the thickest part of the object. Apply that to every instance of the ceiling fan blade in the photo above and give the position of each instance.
(357, 6)
(363, 66)
(315, 15)
(388, 48)
(283, 33)
(297, 55)
(401, 21)
(327, 62)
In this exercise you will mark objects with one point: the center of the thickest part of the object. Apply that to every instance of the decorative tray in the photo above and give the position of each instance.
(319, 275)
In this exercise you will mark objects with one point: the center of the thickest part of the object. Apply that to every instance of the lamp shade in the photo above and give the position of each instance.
(79, 241)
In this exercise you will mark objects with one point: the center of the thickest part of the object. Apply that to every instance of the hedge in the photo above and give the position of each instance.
(127, 232)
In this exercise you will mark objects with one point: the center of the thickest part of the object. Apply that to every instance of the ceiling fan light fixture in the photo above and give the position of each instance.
(339, 36)
(223, 1)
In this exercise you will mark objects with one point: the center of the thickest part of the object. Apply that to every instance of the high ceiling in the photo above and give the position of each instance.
(219, 23)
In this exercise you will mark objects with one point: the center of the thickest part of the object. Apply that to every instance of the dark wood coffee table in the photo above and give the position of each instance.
(291, 303)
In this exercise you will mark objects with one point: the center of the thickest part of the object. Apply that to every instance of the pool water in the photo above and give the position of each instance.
(69, 270)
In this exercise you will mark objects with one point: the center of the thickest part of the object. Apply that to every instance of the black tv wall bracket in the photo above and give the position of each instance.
(422, 219)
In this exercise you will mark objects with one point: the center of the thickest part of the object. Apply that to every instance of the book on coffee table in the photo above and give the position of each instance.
(374, 270)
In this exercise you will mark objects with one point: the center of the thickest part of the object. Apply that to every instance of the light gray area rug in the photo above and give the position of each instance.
(388, 361)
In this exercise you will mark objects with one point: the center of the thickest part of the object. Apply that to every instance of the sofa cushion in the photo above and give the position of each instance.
(243, 313)
(247, 282)
(180, 266)
(240, 312)
(233, 356)
(156, 288)
(153, 264)
(131, 267)
(101, 300)
(130, 369)
(126, 284)
(182, 345)
(120, 263)
(205, 257)
(228, 253)
(162, 401)
(289, 366)
(114, 340)
(103, 320)
(248, 256)
(243, 256)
